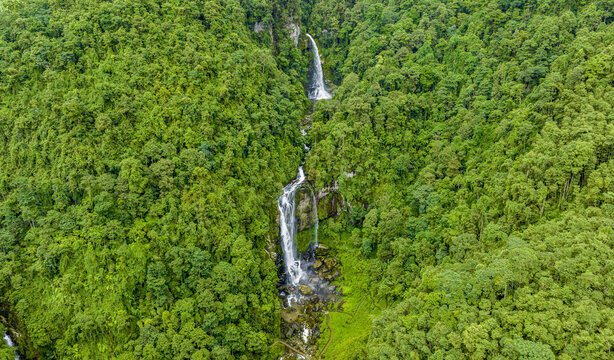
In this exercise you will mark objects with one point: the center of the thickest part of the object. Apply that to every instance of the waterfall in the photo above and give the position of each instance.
(287, 224)
(286, 202)
(9, 341)
(304, 291)
(317, 89)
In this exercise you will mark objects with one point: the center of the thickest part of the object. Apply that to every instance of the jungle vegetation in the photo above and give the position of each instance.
(143, 145)
(474, 142)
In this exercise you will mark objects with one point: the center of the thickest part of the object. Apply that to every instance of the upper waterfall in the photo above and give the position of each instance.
(317, 88)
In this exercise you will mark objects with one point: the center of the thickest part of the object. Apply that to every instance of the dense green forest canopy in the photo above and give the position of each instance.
(474, 141)
(143, 144)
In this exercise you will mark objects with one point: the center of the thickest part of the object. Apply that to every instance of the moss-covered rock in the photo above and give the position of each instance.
(305, 289)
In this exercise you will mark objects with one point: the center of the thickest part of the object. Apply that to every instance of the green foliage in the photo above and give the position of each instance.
(480, 138)
(354, 325)
(142, 146)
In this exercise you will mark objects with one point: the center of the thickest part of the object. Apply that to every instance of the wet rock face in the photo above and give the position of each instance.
(305, 209)
(328, 201)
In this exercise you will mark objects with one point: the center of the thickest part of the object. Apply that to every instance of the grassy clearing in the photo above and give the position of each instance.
(350, 333)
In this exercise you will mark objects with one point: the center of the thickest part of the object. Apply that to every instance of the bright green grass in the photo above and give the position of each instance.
(350, 334)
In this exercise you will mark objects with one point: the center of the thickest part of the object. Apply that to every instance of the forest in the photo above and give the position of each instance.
(138, 142)
(480, 137)
(143, 145)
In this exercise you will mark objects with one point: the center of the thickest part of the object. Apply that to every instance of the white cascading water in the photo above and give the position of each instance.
(299, 271)
(318, 91)
(286, 202)
(287, 225)
(9, 341)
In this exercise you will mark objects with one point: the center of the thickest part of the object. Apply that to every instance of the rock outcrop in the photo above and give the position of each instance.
(259, 27)
(329, 203)
(295, 32)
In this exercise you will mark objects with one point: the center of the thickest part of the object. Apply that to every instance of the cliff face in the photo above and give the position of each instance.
(294, 30)
(328, 203)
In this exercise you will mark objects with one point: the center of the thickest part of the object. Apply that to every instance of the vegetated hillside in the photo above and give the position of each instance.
(142, 147)
(474, 141)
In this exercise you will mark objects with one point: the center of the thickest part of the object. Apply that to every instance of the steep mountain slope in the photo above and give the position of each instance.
(142, 146)
(474, 141)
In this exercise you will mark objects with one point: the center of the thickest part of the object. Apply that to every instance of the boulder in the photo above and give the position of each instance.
(306, 211)
(305, 290)
(289, 315)
(331, 275)
(336, 274)
(322, 250)
(330, 263)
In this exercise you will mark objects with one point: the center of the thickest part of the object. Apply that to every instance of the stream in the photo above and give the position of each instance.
(9, 341)
(305, 286)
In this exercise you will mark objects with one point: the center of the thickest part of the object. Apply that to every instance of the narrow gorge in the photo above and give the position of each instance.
(304, 290)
